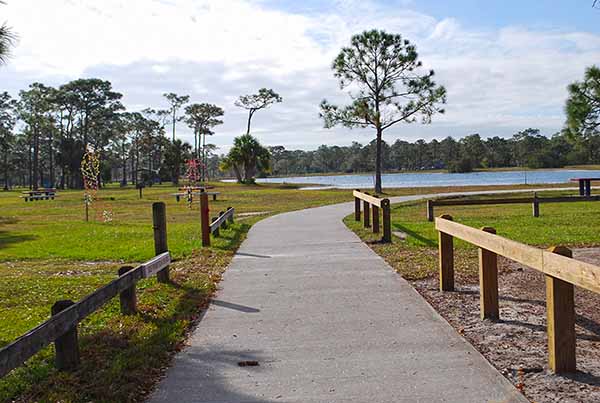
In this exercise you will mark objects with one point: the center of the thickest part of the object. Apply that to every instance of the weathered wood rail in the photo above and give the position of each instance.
(535, 202)
(562, 273)
(371, 202)
(212, 226)
(61, 328)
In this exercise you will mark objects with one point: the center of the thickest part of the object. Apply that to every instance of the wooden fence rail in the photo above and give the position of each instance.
(562, 273)
(374, 203)
(212, 226)
(535, 202)
(61, 328)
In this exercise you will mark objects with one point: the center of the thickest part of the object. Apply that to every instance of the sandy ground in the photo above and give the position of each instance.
(516, 345)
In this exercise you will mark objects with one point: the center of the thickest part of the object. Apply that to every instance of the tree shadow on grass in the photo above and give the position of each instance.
(415, 235)
(8, 238)
(124, 362)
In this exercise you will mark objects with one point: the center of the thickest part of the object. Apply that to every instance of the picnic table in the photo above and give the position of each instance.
(585, 185)
(178, 196)
(40, 194)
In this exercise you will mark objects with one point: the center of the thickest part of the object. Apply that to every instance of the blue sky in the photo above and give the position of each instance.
(506, 64)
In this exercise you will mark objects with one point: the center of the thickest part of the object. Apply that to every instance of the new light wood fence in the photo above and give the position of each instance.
(562, 273)
(374, 203)
(535, 202)
(61, 328)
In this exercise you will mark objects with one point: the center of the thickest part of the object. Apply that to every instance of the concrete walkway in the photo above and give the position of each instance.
(328, 321)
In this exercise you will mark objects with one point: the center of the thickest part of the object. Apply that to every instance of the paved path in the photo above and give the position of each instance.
(329, 322)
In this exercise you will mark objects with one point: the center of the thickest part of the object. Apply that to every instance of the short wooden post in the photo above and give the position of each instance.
(224, 225)
(536, 206)
(230, 218)
(488, 281)
(159, 220)
(367, 214)
(141, 192)
(588, 188)
(581, 188)
(356, 208)
(375, 219)
(429, 210)
(204, 220)
(66, 346)
(560, 308)
(387, 221)
(446, 257)
(87, 211)
(128, 297)
(216, 232)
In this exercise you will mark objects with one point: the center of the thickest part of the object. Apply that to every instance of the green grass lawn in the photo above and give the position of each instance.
(48, 252)
(568, 224)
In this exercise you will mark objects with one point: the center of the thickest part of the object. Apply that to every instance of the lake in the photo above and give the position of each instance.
(397, 180)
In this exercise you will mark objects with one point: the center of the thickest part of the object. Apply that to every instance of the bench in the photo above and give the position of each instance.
(178, 196)
(585, 185)
(39, 196)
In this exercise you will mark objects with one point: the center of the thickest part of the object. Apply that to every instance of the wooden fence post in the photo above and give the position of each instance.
(367, 214)
(127, 297)
(560, 308)
(375, 219)
(430, 210)
(66, 346)
(446, 259)
(357, 208)
(230, 218)
(224, 225)
(488, 281)
(387, 221)
(536, 205)
(159, 219)
(216, 232)
(204, 219)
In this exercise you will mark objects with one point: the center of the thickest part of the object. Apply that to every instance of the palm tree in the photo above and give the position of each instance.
(246, 158)
(7, 40)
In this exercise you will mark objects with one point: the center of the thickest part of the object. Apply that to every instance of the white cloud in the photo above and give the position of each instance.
(498, 80)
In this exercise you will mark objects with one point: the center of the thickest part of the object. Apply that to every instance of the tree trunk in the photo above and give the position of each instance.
(6, 169)
(51, 159)
(250, 113)
(378, 160)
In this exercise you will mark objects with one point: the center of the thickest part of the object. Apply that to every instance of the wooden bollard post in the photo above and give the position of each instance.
(356, 208)
(535, 206)
(159, 220)
(230, 218)
(367, 214)
(560, 307)
(224, 225)
(66, 346)
(216, 232)
(128, 297)
(387, 221)
(204, 220)
(141, 189)
(446, 258)
(430, 210)
(375, 219)
(488, 281)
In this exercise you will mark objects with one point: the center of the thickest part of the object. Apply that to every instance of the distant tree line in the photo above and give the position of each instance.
(527, 148)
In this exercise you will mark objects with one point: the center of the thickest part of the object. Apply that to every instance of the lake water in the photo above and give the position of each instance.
(438, 179)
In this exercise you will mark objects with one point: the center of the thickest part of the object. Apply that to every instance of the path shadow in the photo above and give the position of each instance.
(415, 235)
(236, 307)
(253, 255)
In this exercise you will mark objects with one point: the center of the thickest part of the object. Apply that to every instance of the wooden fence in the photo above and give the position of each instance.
(535, 202)
(374, 203)
(212, 227)
(61, 328)
(562, 273)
